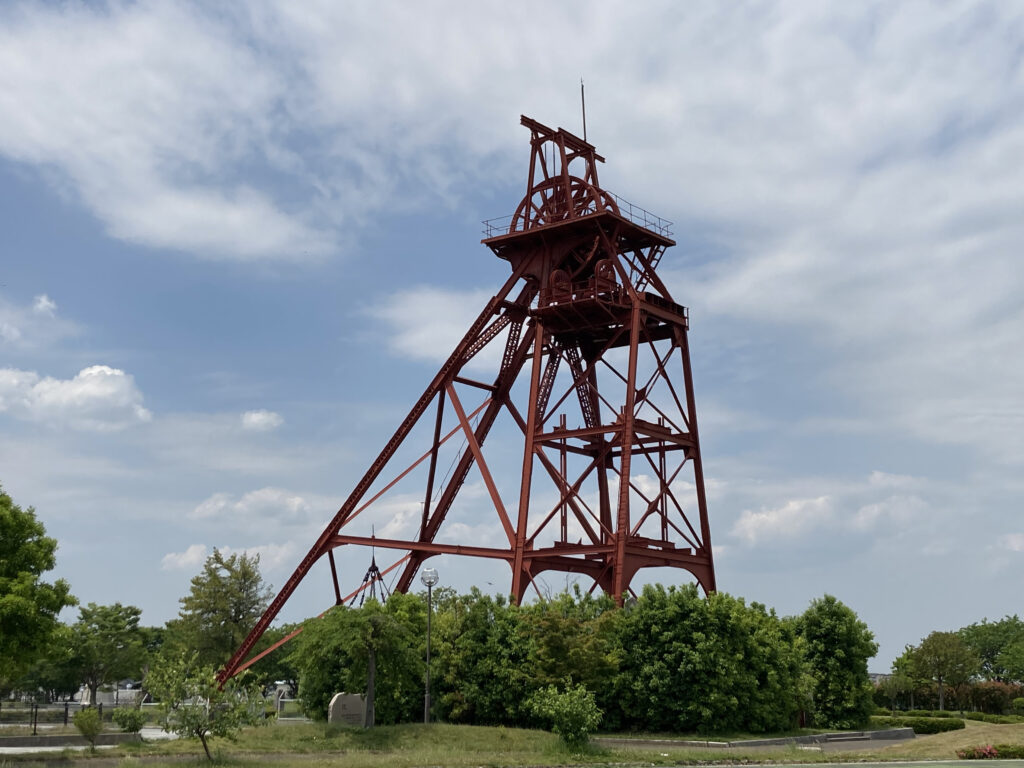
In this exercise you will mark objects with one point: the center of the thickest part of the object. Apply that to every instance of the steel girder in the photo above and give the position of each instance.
(593, 378)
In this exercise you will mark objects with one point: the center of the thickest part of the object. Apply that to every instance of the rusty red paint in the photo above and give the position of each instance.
(583, 291)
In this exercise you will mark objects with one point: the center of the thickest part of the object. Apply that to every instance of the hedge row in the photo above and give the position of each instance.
(979, 716)
(996, 719)
(921, 725)
(992, 752)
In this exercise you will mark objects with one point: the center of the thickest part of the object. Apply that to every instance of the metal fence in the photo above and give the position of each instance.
(289, 709)
(36, 716)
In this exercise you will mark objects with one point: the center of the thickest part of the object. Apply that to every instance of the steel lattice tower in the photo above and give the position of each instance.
(593, 377)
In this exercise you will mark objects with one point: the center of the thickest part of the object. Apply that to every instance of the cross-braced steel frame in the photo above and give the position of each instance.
(593, 376)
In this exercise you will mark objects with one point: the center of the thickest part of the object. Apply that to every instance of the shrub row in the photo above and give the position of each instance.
(673, 661)
(979, 716)
(921, 725)
(996, 719)
(992, 752)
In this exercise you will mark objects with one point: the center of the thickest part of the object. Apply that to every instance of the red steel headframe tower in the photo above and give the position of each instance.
(590, 372)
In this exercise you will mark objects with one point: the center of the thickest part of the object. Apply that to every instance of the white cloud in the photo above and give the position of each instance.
(149, 136)
(426, 323)
(261, 421)
(793, 519)
(272, 556)
(191, 559)
(44, 305)
(98, 398)
(897, 511)
(27, 327)
(264, 504)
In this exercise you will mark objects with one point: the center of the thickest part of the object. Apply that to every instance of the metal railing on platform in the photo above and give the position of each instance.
(502, 225)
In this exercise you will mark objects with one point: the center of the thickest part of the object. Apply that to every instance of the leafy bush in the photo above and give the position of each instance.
(992, 752)
(88, 723)
(1018, 706)
(572, 713)
(921, 725)
(129, 719)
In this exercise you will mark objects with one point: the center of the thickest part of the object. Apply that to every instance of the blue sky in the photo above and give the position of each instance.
(236, 243)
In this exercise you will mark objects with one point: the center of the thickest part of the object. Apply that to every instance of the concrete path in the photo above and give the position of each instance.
(148, 734)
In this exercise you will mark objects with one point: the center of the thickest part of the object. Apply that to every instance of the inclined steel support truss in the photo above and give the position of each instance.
(610, 478)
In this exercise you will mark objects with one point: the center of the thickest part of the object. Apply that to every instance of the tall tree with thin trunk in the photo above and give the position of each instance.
(107, 645)
(946, 660)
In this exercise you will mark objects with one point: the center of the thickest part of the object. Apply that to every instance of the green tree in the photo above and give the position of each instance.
(28, 605)
(905, 674)
(333, 653)
(695, 664)
(56, 671)
(946, 660)
(483, 650)
(573, 639)
(194, 705)
(988, 640)
(223, 604)
(1011, 661)
(107, 645)
(838, 646)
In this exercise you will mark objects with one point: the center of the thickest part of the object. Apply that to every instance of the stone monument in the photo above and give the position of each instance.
(347, 709)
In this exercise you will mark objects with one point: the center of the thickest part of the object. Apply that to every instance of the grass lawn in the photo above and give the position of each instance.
(310, 745)
(943, 746)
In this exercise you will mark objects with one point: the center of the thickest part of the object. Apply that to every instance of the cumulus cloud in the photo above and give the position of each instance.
(793, 519)
(272, 556)
(261, 421)
(262, 504)
(98, 398)
(191, 559)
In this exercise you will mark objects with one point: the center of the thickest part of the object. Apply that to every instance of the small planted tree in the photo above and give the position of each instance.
(571, 713)
(89, 724)
(193, 705)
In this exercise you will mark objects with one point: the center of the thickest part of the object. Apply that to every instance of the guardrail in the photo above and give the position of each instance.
(633, 213)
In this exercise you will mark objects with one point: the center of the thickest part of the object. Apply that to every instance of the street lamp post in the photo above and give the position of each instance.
(429, 578)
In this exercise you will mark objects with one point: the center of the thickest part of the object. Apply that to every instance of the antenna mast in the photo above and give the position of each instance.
(583, 103)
